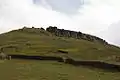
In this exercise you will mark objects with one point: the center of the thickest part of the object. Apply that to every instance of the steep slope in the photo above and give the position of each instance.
(37, 41)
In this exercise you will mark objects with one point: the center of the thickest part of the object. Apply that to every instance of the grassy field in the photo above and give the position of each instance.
(48, 70)
(43, 43)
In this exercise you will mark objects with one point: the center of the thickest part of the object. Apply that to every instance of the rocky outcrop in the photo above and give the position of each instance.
(74, 34)
(33, 30)
(63, 33)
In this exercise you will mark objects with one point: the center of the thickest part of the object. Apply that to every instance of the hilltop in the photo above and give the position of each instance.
(74, 34)
(57, 42)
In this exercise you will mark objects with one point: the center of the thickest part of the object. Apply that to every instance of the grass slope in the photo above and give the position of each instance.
(40, 42)
(45, 70)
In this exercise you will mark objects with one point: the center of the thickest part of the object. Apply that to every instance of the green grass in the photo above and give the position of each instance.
(35, 42)
(48, 70)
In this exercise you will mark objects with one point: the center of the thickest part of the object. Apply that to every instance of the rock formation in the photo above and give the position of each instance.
(74, 34)
(64, 33)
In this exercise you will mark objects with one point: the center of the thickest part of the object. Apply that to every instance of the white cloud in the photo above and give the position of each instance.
(17, 13)
(94, 17)
(98, 15)
(98, 18)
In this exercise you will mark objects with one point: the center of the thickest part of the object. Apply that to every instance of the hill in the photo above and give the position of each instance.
(54, 42)
(96, 55)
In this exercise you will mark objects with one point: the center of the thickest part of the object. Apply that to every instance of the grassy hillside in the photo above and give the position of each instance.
(34, 41)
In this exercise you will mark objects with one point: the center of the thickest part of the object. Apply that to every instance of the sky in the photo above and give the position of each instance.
(96, 17)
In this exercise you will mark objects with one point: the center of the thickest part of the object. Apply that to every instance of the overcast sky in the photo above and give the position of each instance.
(96, 17)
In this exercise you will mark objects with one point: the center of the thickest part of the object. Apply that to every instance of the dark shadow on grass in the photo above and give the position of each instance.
(92, 64)
(36, 57)
(95, 64)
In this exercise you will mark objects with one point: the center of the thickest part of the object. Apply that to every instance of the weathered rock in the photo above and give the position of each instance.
(65, 33)
(74, 34)
(42, 29)
(4, 56)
